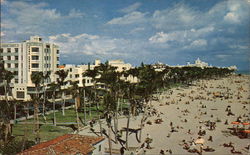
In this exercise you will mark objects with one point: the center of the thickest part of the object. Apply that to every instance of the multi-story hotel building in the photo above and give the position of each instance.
(22, 59)
(75, 72)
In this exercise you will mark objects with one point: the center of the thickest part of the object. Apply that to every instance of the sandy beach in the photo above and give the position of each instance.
(188, 108)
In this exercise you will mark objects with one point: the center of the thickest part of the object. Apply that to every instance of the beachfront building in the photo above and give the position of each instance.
(198, 63)
(75, 72)
(27, 57)
(122, 66)
(69, 144)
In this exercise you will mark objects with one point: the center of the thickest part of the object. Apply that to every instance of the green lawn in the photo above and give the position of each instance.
(49, 131)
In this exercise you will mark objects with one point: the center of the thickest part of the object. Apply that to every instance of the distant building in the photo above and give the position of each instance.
(27, 57)
(76, 71)
(69, 144)
(198, 63)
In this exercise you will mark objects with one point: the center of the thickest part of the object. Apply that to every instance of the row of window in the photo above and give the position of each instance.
(9, 65)
(15, 50)
(9, 50)
(36, 65)
(8, 57)
(76, 75)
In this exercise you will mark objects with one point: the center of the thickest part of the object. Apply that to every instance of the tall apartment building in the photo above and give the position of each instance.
(22, 59)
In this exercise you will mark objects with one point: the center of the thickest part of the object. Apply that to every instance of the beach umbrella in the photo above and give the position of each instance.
(199, 141)
(235, 123)
(245, 123)
(246, 131)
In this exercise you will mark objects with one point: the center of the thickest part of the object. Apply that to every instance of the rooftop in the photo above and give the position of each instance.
(66, 144)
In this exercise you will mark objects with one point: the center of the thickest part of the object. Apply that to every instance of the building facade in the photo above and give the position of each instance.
(27, 57)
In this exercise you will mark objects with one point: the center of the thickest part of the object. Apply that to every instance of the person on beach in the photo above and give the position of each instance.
(162, 152)
(122, 150)
(210, 138)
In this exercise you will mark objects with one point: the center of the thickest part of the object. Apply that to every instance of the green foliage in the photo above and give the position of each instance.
(15, 146)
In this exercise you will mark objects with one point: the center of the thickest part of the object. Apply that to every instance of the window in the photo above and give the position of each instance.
(16, 65)
(8, 50)
(70, 75)
(76, 75)
(70, 69)
(8, 65)
(16, 80)
(35, 49)
(57, 65)
(1, 50)
(35, 57)
(15, 72)
(47, 46)
(57, 58)
(8, 57)
(20, 94)
(57, 51)
(1, 57)
(35, 65)
(16, 57)
(16, 50)
(46, 57)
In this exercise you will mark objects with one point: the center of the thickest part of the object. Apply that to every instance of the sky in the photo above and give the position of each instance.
(169, 31)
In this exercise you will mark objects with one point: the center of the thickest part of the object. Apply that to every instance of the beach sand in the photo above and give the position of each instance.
(203, 94)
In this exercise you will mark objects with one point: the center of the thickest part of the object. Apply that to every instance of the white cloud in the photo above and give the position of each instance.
(160, 37)
(181, 16)
(73, 13)
(131, 8)
(138, 29)
(131, 18)
(183, 36)
(199, 42)
(232, 17)
(2, 34)
(24, 19)
(222, 56)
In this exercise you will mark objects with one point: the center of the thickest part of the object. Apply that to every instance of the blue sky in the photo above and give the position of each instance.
(169, 31)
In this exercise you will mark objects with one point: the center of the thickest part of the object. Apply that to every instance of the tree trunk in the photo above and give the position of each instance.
(142, 121)
(128, 121)
(89, 109)
(116, 119)
(14, 111)
(44, 99)
(63, 106)
(36, 118)
(84, 107)
(100, 124)
(54, 107)
(77, 116)
(109, 139)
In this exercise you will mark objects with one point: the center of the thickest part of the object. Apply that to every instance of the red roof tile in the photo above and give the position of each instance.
(66, 144)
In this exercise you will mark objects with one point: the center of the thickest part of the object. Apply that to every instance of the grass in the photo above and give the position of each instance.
(49, 131)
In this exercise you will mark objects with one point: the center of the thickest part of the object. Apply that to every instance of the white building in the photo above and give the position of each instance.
(198, 63)
(32, 55)
(75, 72)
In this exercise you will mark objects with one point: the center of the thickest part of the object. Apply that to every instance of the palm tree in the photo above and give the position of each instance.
(45, 77)
(93, 74)
(61, 80)
(53, 87)
(76, 94)
(36, 78)
(6, 76)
